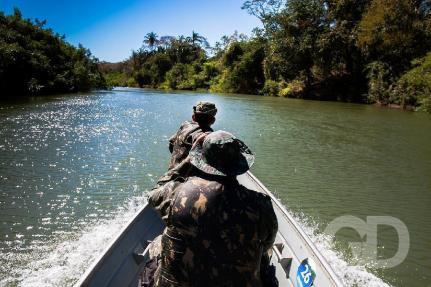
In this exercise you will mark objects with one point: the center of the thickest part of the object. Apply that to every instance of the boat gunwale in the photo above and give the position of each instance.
(300, 231)
(109, 249)
(89, 273)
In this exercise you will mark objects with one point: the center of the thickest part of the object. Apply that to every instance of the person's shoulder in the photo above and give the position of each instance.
(198, 184)
(180, 130)
(184, 124)
(258, 198)
(187, 126)
(188, 123)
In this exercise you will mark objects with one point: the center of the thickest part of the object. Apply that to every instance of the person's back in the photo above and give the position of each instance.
(217, 231)
(181, 142)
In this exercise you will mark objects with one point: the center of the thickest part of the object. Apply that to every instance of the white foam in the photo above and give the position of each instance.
(350, 275)
(63, 264)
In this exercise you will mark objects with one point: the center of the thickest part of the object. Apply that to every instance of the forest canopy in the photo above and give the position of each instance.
(366, 51)
(35, 60)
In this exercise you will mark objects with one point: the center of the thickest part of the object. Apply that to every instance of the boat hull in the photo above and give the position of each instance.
(122, 262)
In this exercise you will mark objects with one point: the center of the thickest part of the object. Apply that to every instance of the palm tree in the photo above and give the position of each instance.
(166, 41)
(151, 39)
(198, 39)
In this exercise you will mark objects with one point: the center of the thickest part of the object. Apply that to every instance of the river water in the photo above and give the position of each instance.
(73, 171)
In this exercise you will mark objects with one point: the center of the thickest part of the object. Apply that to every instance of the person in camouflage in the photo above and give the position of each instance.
(217, 231)
(181, 142)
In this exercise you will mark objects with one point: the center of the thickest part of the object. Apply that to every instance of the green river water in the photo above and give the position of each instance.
(73, 170)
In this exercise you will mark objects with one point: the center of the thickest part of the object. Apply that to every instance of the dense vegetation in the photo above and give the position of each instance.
(371, 51)
(35, 60)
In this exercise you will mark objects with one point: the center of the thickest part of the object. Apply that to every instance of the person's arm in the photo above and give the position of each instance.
(160, 198)
(179, 173)
(174, 137)
(171, 142)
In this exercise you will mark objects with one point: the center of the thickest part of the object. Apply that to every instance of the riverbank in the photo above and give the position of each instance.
(380, 105)
(37, 61)
(320, 59)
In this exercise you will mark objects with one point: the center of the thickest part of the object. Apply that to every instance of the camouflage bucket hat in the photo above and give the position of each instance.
(206, 108)
(222, 154)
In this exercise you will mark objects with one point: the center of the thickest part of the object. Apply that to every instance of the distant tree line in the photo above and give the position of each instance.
(35, 60)
(368, 51)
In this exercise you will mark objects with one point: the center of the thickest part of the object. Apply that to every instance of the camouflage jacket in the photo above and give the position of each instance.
(218, 233)
(181, 142)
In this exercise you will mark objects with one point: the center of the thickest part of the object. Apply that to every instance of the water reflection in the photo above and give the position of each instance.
(70, 165)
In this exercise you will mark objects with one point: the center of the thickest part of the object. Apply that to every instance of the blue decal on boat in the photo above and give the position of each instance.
(305, 275)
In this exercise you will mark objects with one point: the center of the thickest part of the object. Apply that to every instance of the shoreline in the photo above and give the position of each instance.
(36, 97)
(380, 105)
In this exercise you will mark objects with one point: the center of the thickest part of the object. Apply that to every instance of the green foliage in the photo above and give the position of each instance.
(190, 76)
(380, 77)
(293, 89)
(34, 60)
(414, 86)
(242, 68)
(313, 40)
(166, 62)
(394, 32)
(313, 49)
(232, 54)
(153, 71)
(180, 77)
(118, 79)
(342, 49)
(271, 88)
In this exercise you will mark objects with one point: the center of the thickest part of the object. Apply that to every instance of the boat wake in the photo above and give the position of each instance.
(350, 275)
(64, 263)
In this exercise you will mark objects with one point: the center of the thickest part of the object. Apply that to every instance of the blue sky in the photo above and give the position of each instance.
(111, 29)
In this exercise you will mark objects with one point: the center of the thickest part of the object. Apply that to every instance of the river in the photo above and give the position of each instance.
(73, 170)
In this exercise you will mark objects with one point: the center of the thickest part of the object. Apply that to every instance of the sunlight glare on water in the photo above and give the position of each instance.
(74, 169)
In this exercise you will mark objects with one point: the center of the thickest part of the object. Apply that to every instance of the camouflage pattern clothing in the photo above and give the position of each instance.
(217, 232)
(181, 142)
(179, 172)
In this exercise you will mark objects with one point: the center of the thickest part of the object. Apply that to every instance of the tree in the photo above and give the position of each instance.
(294, 34)
(35, 60)
(242, 68)
(165, 41)
(263, 9)
(394, 32)
(151, 39)
(414, 87)
(197, 39)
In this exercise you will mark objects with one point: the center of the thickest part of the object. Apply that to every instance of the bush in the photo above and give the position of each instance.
(130, 82)
(242, 69)
(144, 78)
(232, 54)
(379, 83)
(271, 88)
(414, 87)
(153, 71)
(294, 89)
(118, 79)
(180, 77)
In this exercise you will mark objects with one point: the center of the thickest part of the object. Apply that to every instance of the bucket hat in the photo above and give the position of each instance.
(222, 154)
(206, 108)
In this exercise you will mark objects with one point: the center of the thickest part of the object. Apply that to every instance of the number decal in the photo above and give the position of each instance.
(305, 275)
